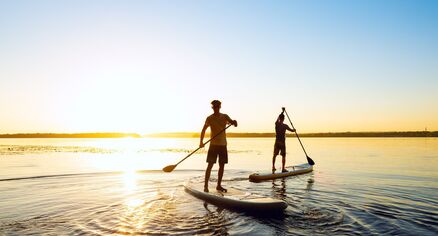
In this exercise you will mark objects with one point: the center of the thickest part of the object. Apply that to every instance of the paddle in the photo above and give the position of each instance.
(309, 160)
(170, 168)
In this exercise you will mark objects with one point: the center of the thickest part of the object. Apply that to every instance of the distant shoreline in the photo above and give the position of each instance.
(73, 135)
(405, 134)
(402, 134)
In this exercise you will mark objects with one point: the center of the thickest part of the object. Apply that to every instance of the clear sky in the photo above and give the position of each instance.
(154, 66)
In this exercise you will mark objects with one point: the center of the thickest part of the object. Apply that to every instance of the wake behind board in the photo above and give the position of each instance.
(293, 170)
(235, 199)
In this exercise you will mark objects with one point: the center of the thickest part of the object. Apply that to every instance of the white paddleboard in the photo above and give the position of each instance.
(292, 170)
(235, 199)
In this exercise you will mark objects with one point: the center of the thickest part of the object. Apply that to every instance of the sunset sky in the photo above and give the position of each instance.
(154, 66)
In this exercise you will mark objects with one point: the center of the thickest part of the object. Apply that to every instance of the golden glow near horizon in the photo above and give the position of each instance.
(157, 68)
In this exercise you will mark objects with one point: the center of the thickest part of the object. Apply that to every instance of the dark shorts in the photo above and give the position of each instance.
(217, 150)
(279, 147)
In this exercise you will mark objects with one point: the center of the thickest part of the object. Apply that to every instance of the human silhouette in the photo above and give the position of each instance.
(280, 141)
(218, 146)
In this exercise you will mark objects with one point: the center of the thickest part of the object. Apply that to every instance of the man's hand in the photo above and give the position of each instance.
(235, 123)
(201, 145)
(283, 109)
(294, 130)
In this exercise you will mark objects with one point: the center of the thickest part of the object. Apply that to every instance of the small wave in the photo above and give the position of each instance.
(36, 225)
(60, 175)
(236, 179)
(91, 174)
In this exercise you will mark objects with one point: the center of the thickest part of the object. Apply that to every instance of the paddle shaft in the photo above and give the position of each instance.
(296, 133)
(203, 144)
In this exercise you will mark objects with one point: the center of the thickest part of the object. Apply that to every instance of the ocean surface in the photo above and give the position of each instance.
(359, 186)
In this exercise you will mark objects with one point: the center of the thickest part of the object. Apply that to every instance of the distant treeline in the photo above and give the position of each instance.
(232, 135)
(311, 135)
(76, 135)
(373, 134)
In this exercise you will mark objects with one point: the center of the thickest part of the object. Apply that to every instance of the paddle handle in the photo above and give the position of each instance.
(296, 133)
(204, 144)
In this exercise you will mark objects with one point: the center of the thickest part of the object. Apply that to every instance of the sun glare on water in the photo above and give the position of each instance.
(129, 181)
(132, 155)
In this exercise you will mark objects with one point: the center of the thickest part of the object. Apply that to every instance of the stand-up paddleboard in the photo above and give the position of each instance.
(235, 199)
(292, 170)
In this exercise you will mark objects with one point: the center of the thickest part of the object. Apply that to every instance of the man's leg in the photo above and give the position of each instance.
(207, 176)
(283, 154)
(219, 178)
(223, 159)
(276, 151)
(283, 162)
(273, 163)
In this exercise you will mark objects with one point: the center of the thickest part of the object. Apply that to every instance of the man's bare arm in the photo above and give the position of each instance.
(231, 121)
(201, 141)
(291, 130)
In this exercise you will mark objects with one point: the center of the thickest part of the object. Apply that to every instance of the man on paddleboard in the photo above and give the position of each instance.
(280, 140)
(218, 146)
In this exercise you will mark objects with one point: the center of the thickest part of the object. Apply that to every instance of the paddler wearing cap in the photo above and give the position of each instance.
(218, 146)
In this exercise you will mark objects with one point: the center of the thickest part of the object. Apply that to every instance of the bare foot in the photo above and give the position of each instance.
(206, 189)
(284, 170)
(221, 189)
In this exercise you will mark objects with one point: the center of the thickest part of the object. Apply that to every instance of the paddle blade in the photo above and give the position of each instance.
(310, 161)
(169, 168)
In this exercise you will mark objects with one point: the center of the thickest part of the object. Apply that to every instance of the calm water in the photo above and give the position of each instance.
(361, 186)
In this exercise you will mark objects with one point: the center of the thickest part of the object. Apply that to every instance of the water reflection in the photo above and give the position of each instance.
(216, 220)
(130, 181)
(279, 188)
(132, 203)
(310, 182)
(131, 218)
